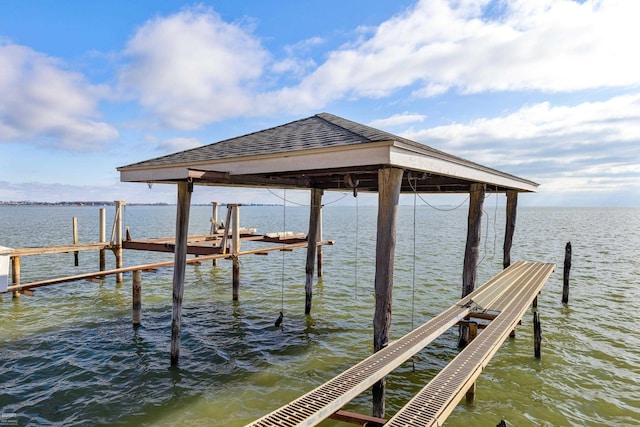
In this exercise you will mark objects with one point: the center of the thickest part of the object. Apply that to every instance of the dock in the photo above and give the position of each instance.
(221, 243)
(505, 298)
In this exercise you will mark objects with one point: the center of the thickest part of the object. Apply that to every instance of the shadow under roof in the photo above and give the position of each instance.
(322, 151)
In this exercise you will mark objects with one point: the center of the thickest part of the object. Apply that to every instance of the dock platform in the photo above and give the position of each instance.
(510, 293)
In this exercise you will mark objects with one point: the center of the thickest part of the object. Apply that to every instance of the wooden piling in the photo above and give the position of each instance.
(235, 249)
(473, 333)
(312, 240)
(76, 260)
(136, 293)
(565, 274)
(180, 261)
(537, 335)
(103, 238)
(15, 274)
(118, 238)
(214, 225)
(472, 249)
(389, 184)
(510, 226)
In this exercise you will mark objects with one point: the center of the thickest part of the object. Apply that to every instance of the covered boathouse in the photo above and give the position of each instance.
(327, 152)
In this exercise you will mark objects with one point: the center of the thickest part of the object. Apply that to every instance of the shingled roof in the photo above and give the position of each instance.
(323, 151)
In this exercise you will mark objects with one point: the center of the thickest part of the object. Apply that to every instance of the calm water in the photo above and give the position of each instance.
(69, 355)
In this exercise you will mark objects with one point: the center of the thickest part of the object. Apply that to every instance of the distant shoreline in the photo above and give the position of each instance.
(103, 203)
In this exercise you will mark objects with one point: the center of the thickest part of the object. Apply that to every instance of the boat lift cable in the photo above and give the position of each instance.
(284, 198)
(414, 187)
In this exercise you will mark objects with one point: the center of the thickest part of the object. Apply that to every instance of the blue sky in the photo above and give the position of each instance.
(544, 89)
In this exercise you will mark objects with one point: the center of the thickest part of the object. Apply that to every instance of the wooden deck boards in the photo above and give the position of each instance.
(518, 285)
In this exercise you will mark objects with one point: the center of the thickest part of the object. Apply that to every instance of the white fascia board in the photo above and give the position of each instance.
(156, 174)
(412, 159)
(334, 157)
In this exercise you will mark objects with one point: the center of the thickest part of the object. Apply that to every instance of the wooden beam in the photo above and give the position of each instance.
(180, 260)
(389, 184)
(312, 239)
(19, 252)
(358, 419)
(510, 226)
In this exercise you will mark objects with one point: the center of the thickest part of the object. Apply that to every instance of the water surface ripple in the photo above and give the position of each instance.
(69, 355)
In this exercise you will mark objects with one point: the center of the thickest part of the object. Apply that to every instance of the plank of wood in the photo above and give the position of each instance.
(18, 252)
(355, 418)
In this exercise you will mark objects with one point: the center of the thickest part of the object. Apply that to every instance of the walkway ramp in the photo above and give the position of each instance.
(322, 402)
(433, 404)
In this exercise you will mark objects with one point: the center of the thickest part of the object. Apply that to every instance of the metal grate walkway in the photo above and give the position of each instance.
(437, 400)
(320, 403)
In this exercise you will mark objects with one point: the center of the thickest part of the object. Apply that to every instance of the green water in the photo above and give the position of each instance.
(69, 355)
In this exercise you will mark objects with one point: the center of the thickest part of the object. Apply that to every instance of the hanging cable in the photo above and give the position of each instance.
(413, 282)
(303, 204)
(414, 188)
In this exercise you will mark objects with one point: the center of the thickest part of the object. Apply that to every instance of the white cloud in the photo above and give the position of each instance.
(42, 100)
(191, 68)
(594, 143)
(550, 45)
(398, 120)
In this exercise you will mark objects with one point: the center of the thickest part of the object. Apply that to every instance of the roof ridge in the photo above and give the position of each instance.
(369, 133)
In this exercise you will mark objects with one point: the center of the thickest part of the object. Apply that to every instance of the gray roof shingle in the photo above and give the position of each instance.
(320, 131)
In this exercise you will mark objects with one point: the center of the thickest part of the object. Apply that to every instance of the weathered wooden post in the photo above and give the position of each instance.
(565, 274)
(76, 261)
(510, 226)
(320, 240)
(389, 185)
(180, 261)
(214, 225)
(473, 333)
(472, 249)
(235, 249)
(103, 238)
(118, 229)
(312, 245)
(537, 335)
(136, 293)
(15, 274)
